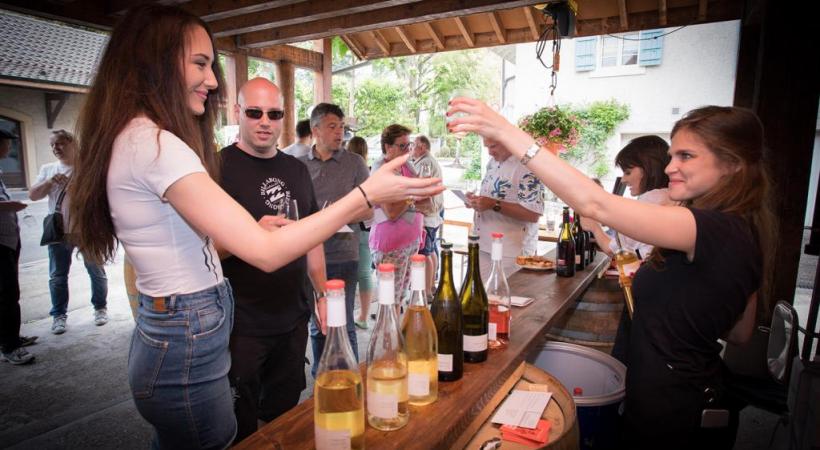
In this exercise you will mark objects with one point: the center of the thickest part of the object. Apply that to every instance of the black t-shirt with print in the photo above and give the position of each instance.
(267, 303)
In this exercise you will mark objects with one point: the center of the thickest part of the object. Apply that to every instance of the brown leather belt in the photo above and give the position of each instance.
(159, 304)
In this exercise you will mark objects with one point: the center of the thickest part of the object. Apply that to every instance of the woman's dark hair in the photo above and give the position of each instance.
(650, 154)
(358, 146)
(140, 73)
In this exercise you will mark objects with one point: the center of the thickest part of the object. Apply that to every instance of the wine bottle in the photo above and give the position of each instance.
(498, 294)
(580, 242)
(387, 395)
(446, 311)
(565, 264)
(338, 413)
(589, 254)
(474, 307)
(420, 339)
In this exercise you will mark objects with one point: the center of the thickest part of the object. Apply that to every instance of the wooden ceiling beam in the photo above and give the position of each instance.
(662, 13)
(91, 16)
(297, 14)
(354, 46)
(498, 27)
(487, 39)
(534, 32)
(684, 15)
(210, 10)
(702, 10)
(406, 39)
(381, 42)
(623, 15)
(421, 11)
(301, 57)
(434, 35)
(465, 32)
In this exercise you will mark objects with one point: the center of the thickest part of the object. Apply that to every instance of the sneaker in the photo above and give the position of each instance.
(58, 326)
(25, 341)
(100, 316)
(361, 324)
(17, 356)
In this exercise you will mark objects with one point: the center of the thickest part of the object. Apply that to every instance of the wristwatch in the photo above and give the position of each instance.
(530, 153)
(497, 206)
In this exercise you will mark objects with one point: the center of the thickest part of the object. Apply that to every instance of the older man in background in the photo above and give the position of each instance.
(426, 165)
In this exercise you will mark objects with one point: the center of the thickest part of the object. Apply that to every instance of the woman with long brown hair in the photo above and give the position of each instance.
(706, 270)
(145, 179)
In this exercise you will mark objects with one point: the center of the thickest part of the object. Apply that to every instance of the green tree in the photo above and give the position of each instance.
(600, 118)
(379, 104)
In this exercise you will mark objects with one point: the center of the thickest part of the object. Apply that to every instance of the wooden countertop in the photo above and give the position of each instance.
(460, 403)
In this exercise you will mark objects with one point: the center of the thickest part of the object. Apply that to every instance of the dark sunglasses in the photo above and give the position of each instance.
(256, 114)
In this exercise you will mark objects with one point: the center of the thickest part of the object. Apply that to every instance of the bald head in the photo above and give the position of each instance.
(258, 132)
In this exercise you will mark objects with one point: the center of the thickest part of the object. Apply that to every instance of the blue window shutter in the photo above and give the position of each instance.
(651, 48)
(585, 53)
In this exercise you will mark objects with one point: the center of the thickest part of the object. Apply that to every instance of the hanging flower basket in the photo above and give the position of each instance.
(556, 128)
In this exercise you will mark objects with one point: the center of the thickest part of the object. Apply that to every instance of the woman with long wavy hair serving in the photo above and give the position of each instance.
(145, 178)
(708, 264)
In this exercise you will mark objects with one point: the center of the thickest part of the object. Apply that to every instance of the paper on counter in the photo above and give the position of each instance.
(522, 409)
(520, 301)
(345, 229)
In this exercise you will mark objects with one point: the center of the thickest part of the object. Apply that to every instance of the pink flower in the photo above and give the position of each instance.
(555, 132)
(541, 141)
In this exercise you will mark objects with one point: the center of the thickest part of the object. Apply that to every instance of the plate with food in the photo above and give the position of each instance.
(534, 262)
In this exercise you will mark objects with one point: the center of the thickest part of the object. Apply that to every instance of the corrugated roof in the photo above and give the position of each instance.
(45, 51)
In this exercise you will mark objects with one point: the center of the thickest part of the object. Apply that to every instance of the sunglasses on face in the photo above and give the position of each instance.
(406, 146)
(256, 114)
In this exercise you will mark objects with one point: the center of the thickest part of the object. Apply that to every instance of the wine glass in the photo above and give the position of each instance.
(460, 92)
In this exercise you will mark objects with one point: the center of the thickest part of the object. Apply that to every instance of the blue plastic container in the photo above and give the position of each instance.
(600, 376)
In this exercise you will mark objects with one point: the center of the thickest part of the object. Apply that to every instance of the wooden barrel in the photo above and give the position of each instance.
(593, 320)
(560, 412)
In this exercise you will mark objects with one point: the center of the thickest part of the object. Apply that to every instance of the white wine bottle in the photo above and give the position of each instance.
(498, 294)
(474, 307)
(421, 340)
(387, 396)
(338, 410)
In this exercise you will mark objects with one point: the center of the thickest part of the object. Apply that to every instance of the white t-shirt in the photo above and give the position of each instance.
(655, 196)
(46, 172)
(168, 255)
(297, 149)
(510, 181)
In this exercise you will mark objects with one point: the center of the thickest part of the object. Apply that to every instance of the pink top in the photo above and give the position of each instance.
(388, 235)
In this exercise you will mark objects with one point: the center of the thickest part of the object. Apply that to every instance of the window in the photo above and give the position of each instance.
(13, 166)
(611, 51)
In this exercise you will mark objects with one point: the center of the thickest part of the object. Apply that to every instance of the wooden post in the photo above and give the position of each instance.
(236, 74)
(777, 77)
(285, 78)
(323, 79)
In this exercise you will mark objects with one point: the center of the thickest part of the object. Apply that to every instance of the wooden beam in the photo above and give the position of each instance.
(498, 27)
(406, 39)
(702, 10)
(31, 84)
(210, 10)
(462, 27)
(381, 42)
(624, 16)
(531, 23)
(299, 57)
(662, 13)
(323, 80)
(353, 46)
(286, 79)
(684, 15)
(65, 12)
(434, 35)
(488, 39)
(54, 104)
(422, 11)
(297, 14)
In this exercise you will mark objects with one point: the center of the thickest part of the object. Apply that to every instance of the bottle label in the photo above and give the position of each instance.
(336, 312)
(418, 384)
(577, 259)
(383, 406)
(331, 439)
(445, 363)
(493, 327)
(417, 279)
(475, 343)
(387, 291)
(497, 251)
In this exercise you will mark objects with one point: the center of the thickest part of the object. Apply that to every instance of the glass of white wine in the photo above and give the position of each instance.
(460, 92)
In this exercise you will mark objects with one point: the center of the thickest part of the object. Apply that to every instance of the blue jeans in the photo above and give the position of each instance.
(349, 272)
(178, 368)
(59, 263)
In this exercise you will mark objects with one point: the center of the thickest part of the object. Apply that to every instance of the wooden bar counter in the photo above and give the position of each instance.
(460, 405)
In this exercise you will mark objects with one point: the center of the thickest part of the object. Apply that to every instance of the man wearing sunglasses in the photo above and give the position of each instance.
(335, 172)
(269, 337)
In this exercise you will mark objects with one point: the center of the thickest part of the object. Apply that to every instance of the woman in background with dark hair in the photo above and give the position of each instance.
(642, 161)
(711, 258)
(146, 178)
(358, 146)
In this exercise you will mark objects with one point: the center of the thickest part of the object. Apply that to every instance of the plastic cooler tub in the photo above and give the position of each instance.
(600, 377)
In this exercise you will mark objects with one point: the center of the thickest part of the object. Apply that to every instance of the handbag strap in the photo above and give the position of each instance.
(59, 206)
